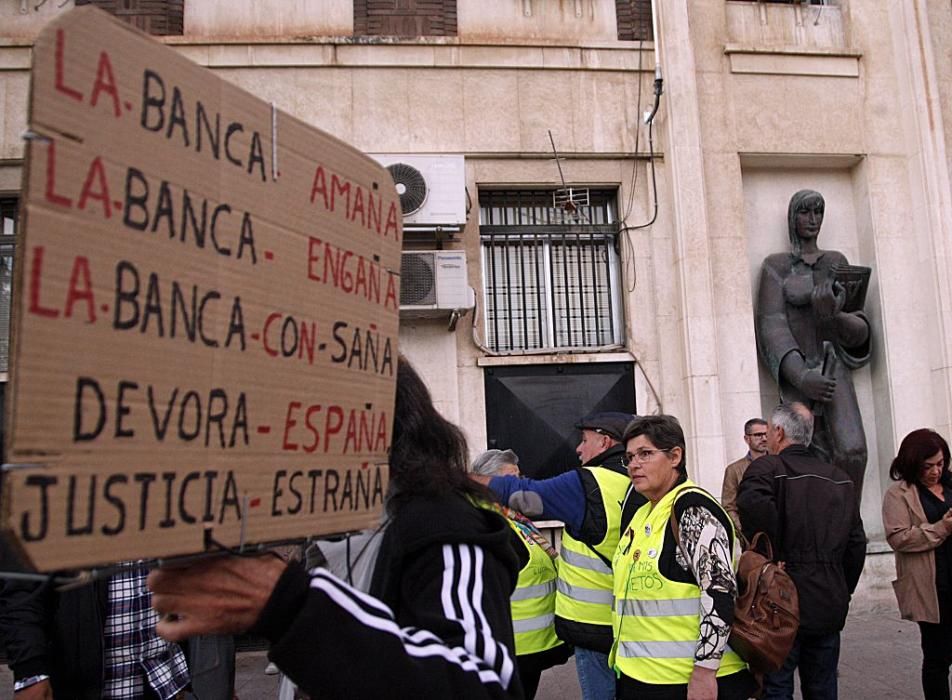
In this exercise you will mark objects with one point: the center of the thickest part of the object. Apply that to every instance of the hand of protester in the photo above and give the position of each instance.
(817, 387)
(703, 684)
(38, 691)
(218, 596)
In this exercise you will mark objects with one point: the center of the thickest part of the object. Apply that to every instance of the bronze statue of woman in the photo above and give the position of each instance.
(811, 332)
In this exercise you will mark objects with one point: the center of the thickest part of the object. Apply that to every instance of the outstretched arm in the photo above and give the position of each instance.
(560, 498)
(336, 641)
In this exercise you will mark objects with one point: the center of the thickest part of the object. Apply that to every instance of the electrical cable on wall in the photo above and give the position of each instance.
(624, 228)
(649, 120)
(634, 159)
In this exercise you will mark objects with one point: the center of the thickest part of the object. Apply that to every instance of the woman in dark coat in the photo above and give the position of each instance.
(437, 621)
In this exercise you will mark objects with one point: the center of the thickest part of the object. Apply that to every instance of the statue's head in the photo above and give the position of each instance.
(803, 201)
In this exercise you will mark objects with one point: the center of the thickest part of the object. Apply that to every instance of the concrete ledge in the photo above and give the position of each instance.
(15, 57)
(345, 52)
(554, 359)
(831, 161)
(812, 62)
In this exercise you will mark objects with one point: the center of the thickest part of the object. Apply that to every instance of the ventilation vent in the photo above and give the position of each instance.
(433, 282)
(417, 280)
(432, 190)
(410, 186)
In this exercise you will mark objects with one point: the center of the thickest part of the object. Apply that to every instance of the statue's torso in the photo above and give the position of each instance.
(799, 281)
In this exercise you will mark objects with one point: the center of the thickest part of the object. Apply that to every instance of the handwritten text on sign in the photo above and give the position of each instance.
(206, 315)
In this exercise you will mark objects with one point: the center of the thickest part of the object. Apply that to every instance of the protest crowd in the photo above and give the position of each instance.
(456, 593)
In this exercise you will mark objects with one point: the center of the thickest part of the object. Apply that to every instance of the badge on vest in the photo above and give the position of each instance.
(653, 553)
(647, 530)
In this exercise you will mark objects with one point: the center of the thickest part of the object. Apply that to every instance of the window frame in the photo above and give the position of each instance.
(8, 246)
(555, 301)
(371, 19)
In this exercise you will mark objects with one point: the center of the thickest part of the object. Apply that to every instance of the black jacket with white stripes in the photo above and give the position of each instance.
(437, 626)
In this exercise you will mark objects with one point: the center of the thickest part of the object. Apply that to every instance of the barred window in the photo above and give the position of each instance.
(156, 17)
(8, 229)
(633, 18)
(550, 277)
(408, 18)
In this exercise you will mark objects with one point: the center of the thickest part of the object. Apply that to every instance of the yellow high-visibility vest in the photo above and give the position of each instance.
(585, 579)
(656, 621)
(533, 601)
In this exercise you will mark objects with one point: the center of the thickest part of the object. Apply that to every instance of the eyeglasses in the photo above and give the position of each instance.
(756, 435)
(641, 456)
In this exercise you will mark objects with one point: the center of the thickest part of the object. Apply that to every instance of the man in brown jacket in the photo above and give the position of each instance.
(755, 435)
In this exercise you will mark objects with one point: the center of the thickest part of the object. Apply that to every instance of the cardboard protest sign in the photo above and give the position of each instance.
(206, 310)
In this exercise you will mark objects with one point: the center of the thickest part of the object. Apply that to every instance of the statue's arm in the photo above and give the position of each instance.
(852, 329)
(778, 348)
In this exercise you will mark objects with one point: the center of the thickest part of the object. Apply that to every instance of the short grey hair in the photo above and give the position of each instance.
(491, 461)
(796, 420)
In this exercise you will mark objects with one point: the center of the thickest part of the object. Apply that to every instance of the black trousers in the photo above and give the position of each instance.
(936, 658)
(736, 686)
(531, 666)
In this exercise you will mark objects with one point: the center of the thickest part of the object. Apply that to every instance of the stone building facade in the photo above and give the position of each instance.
(760, 99)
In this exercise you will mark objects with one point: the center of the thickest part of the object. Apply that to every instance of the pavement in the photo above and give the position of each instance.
(880, 658)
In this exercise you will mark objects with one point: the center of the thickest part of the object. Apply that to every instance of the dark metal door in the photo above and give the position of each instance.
(532, 409)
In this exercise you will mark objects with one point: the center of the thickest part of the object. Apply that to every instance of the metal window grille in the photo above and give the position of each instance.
(550, 277)
(410, 18)
(8, 228)
(157, 17)
(633, 18)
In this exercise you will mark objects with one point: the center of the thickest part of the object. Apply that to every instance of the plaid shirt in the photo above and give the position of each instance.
(133, 653)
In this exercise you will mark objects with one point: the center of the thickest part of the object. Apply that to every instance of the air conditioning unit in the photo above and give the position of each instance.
(432, 190)
(433, 282)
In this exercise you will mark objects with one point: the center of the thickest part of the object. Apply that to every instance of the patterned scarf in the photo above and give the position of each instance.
(526, 528)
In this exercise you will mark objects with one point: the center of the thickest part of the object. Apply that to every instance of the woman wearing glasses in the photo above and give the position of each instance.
(674, 581)
(918, 522)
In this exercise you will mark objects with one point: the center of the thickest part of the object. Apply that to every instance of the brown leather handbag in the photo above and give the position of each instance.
(767, 609)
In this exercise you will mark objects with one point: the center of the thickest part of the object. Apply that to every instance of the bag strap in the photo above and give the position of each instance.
(676, 530)
(758, 538)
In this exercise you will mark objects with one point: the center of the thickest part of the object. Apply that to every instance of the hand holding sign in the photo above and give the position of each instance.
(222, 595)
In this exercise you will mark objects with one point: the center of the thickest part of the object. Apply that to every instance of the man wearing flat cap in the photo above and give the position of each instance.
(589, 501)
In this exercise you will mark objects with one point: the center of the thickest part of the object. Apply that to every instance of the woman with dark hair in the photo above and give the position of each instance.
(674, 577)
(437, 620)
(917, 515)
